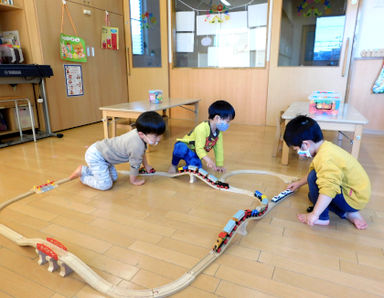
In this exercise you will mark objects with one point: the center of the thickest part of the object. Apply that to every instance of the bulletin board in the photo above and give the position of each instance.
(371, 22)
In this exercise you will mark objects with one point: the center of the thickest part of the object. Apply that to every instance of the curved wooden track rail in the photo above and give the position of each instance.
(66, 259)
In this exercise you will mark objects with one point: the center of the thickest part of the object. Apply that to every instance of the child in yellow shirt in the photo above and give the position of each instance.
(336, 180)
(194, 146)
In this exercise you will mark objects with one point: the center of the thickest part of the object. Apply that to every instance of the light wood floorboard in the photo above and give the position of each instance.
(144, 237)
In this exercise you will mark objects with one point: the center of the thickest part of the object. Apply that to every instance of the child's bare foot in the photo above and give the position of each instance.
(76, 173)
(172, 169)
(357, 220)
(309, 220)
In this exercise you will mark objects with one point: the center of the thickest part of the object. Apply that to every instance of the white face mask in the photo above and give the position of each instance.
(304, 153)
(151, 142)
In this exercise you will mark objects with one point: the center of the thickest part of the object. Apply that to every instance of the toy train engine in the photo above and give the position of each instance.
(282, 195)
(259, 195)
(181, 169)
(223, 185)
(225, 235)
(220, 184)
(193, 169)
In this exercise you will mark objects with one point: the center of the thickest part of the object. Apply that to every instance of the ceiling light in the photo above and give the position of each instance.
(225, 2)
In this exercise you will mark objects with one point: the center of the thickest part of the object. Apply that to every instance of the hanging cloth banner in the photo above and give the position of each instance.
(109, 35)
(378, 88)
(72, 48)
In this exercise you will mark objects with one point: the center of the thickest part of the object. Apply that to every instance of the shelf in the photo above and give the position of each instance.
(7, 7)
(7, 132)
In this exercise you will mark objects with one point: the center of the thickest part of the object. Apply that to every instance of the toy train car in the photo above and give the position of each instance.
(193, 169)
(143, 170)
(212, 179)
(225, 234)
(282, 195)
(202, 172)
(239, 216)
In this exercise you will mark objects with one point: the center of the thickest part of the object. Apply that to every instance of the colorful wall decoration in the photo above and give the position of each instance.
(147, 20)
(314, 8)
(217, 14)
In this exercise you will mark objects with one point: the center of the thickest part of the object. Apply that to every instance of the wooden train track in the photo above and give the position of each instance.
(58, 257)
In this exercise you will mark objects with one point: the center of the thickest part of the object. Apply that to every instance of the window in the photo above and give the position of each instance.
(311, 32)
(137, 30)
(218, 33)
(145, 33)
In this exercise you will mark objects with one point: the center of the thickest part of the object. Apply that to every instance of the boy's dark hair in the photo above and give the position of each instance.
(302, 128)
(150, 122)
(222, 108)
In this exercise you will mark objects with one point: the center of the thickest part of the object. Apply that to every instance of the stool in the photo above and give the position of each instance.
(16, 102)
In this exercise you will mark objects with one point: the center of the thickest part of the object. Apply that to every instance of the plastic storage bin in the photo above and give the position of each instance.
(325, 103)
(155, 96)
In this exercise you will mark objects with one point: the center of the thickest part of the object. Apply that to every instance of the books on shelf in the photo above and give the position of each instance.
(9, 2)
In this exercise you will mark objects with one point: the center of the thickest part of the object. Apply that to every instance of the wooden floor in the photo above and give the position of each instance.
(144, 237)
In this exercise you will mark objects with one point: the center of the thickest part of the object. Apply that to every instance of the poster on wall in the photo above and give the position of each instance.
(72, 48)
(110, 38)
(73, 80)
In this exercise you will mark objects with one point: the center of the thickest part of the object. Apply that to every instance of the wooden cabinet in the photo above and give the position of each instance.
(104, 74)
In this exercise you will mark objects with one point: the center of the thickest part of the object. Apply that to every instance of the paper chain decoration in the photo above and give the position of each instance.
(313, 8)
(218, 11)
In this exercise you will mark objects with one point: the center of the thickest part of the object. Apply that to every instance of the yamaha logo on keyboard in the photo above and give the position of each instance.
(12, 72)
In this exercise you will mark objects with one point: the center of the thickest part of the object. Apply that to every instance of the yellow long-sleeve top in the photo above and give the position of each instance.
(202, 140)
(335, 167)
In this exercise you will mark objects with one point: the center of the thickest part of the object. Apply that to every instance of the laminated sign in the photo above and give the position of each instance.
(72, 48)
(109, 35)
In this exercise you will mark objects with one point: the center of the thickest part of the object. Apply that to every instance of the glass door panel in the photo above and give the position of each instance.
(145, 33)
(312, 32)
(147, 47)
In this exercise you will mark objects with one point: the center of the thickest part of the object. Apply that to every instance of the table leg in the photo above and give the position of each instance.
(105, 125)
(357, 140)
(196, 113)
(113, 122)
(285, 150)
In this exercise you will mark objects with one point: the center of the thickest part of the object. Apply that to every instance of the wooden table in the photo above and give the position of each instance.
(135, 108)
(349, 119)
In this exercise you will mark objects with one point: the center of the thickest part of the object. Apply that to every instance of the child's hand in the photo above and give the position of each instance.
(210, 163)
(135, 181)
(295, 185)
(149, 169)
(220, 169)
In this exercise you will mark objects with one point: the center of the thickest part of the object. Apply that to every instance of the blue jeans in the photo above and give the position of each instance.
(338, 204)
(182, 152)
(99, 173)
